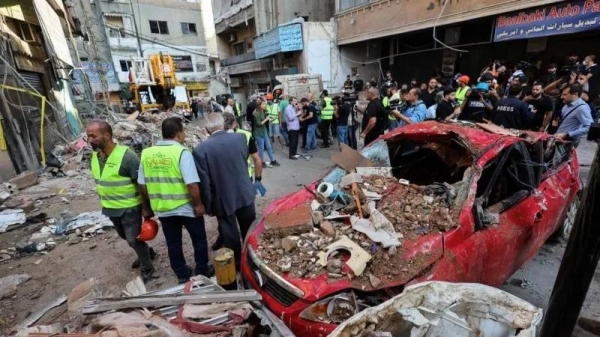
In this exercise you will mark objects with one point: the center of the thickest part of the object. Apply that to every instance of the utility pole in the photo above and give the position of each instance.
(137, 35)
(578, 264)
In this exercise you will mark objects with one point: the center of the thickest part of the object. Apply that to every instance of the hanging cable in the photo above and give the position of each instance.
(435, 26)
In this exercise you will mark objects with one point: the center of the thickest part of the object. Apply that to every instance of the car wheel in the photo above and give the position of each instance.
(564, 231)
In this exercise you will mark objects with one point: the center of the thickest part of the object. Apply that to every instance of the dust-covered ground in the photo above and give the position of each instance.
(108, 258)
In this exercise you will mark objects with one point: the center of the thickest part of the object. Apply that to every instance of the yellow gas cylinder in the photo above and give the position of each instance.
(224, 263)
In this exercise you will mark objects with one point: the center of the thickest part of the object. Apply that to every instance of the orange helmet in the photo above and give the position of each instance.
(149, 230)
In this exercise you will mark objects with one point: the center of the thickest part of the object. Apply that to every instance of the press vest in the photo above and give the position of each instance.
(166, 188)
(250, 161)
(114, 190)
(327, 113)
(273, 111)
(461, 93)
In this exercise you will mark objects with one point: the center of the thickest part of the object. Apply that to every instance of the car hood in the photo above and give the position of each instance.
(413, 258)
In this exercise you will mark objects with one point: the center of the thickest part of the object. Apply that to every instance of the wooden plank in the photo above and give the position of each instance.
(106, 304)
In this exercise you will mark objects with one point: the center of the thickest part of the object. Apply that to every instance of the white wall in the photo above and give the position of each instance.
(356, 56)
(319, 49)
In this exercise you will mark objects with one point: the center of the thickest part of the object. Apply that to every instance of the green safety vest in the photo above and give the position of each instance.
(461, 93)
(327, 113)
(250, 161)
(166, 188)
(386, 102)
(273, 111)
(238, 107)
(114, 190)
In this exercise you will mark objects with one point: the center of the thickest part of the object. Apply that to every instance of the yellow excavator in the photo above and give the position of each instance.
(154, 84)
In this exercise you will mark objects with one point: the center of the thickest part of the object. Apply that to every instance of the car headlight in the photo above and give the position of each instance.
(335, 309)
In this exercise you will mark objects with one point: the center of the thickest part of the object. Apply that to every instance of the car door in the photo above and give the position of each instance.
(505, 211)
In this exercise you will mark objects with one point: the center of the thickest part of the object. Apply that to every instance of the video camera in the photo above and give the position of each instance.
(396, 104)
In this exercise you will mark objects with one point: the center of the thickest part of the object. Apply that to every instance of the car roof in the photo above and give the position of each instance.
(478, 136)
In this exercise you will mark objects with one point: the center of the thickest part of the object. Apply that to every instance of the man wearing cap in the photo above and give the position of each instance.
(463, 87)
(477, 106)
(115, 169)
(169, 186)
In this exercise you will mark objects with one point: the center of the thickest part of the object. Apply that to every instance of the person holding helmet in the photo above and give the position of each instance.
(477, 105)
(463, 87)
(115, 170)
(169, 187)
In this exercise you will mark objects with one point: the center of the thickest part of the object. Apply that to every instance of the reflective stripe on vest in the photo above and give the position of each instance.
(162, 174)
(460, 94)
(327, 113)
(386, 102)
(249, 160)
(114, 190)
(273, 111)
(238, 106)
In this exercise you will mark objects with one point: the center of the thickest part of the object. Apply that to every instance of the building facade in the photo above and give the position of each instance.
(259, 40)
(374, 36)
(121, 30)
(37, 110)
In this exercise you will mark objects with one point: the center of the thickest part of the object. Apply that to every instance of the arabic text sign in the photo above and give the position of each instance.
(563, 18)
(281, 39)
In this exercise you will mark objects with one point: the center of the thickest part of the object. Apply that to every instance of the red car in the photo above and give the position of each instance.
(516, 192)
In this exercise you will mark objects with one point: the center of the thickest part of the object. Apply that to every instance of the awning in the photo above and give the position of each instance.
(249, 67)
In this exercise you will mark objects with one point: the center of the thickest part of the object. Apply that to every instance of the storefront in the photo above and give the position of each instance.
(197, 89)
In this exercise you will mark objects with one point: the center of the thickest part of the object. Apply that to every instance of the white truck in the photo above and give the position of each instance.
(300, 84)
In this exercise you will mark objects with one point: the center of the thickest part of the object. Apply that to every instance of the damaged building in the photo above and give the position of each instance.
(35, 67)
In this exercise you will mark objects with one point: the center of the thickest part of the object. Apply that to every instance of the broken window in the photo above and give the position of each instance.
(425, 163)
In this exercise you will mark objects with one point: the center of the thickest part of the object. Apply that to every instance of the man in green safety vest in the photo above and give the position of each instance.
(274, 125)
(169, 187)
(115, 170)
(326, 117)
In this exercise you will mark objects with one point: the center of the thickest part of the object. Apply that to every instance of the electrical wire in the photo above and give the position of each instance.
(435, 26)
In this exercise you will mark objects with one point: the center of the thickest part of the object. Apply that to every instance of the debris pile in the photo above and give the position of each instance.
(199, 307)
(357, 229)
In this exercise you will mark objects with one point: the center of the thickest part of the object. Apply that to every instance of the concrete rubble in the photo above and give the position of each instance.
(224, 313)
(327, 237)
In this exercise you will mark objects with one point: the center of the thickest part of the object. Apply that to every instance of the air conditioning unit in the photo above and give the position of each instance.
(232, 37)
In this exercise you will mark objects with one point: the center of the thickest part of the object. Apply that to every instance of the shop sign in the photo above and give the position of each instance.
(196, 86)
(280, 39)
(183, 64)
(563, 18)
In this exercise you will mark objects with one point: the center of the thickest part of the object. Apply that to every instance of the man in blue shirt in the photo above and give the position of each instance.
(416, 112)
(576, 116)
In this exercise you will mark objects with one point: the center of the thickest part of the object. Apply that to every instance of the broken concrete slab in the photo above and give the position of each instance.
(11, 219)
(327, 228)
(288, 244)
(9, 284)
(79, 295)
(24, 180)
(358, 256)
(290, 222)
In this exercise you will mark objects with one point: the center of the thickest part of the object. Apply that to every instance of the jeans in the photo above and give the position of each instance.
(229, 233)
(393, 124)
(342, 134)
(264, 143)
(352, 142)
(128, 227)
(293, 141)
(284, 133)
(172, 229)
(201, 111)
(325, 126)
(311, 137)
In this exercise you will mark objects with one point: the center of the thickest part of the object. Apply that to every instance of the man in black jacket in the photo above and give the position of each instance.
(511, 112)
(222, 165)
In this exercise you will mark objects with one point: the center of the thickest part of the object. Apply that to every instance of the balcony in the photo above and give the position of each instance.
(239, 18)
(246, 57)
(122, 43)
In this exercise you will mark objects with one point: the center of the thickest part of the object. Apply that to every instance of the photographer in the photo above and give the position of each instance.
(476, 106)
(416, 112)
(448, 108)
(511, 112)
(397, 102)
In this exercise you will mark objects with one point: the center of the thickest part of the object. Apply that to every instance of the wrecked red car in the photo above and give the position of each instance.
(465, 205)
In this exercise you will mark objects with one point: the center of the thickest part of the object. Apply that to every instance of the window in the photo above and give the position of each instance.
(125, 65)
(238, 48)
(347, 4)
(188, 28)
(159, 27)
(26, 32)
(201, 67)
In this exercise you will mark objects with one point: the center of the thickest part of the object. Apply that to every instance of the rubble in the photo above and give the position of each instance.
(11, 219)
(9, 284)
(290, 222)
(24, 180)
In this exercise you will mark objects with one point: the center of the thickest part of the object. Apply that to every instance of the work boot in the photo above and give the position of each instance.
(589, 325)
(148, 275)
(136, 263)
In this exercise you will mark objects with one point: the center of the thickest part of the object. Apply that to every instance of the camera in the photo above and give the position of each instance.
(396, 104)
(455, 104)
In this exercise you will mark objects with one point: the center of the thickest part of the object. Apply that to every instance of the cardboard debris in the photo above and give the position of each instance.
(349, 159)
